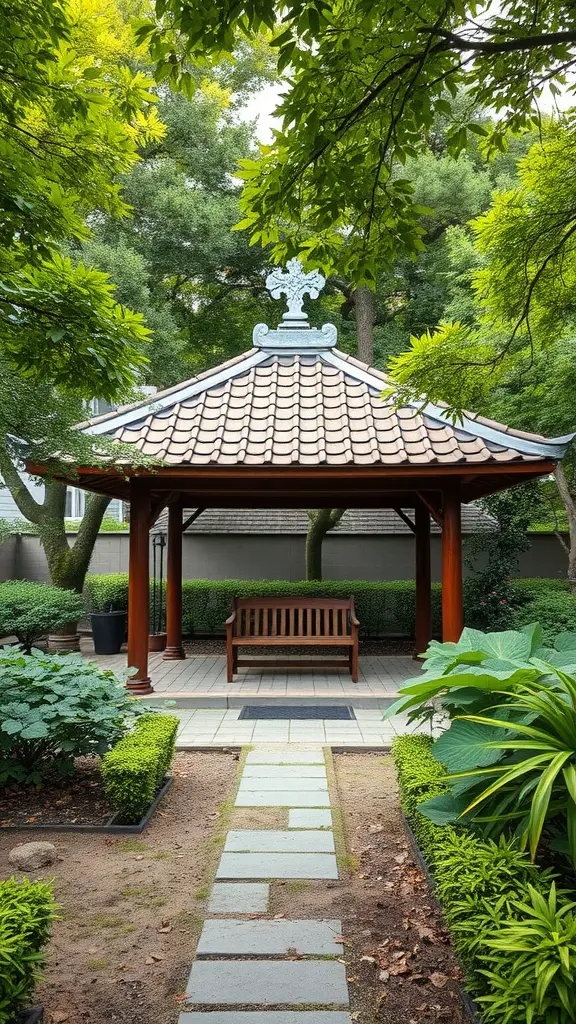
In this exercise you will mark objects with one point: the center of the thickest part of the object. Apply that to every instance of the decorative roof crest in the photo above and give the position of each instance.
(294, 332)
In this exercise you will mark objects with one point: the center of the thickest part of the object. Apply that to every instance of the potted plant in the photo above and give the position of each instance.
(108, 614)
(30, 611)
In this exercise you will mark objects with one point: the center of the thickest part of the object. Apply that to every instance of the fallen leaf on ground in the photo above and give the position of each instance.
(438, 979)
(59, 1017)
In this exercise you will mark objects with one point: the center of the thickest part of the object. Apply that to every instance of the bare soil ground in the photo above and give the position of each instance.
(78, 800)
(132, 908)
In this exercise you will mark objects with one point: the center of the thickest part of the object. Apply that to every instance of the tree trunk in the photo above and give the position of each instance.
(365, 306)
(570, 507)
(320, 521)
(68, 564)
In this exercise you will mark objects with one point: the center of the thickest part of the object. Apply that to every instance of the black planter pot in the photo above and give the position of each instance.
(108, 629)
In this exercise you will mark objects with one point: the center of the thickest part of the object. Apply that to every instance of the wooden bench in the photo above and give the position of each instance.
(294, 621)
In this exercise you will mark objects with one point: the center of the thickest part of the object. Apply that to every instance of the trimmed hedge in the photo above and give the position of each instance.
(383, 608)
(26, 912)
(133, 770)
(478, 882)
(386, 607)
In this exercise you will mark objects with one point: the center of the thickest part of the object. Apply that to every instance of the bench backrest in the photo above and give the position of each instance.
(293, 616)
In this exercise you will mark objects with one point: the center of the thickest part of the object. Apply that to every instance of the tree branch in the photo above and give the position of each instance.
(507, 46)
(27, 505)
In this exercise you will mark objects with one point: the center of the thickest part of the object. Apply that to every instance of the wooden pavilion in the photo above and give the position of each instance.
(294, 423)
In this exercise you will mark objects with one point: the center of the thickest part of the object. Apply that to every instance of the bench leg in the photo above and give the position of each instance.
(353, 659)
(230, 659)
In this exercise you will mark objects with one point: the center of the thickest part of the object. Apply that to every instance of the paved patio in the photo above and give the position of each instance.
(200, 682)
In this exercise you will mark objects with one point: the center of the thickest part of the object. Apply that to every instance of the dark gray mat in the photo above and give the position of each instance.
(281, 711)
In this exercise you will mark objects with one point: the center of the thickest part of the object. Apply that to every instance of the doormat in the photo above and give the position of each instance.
(281, 711)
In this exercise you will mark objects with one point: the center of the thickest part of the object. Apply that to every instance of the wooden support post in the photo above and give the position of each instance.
(452, 610)
(423, 631)
(138, 587)
(174, 650)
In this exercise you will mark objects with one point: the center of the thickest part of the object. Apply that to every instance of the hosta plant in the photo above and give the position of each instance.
(469, 675)
(54, 708)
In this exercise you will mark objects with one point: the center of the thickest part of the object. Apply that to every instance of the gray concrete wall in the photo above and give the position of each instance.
(8, 559)
(247, 556)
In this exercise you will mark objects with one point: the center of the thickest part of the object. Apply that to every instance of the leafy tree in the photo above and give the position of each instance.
(199, 285)
(68, 129)
(510, 353)
(366, 82)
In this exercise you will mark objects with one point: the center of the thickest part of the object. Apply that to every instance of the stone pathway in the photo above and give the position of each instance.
(214, 727)
(244, 962)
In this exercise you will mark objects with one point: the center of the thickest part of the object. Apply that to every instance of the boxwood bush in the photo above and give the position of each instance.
(509, 925)
(133, 770)
(26, 911)
(382, 608)
(30, 610)
(54, 708)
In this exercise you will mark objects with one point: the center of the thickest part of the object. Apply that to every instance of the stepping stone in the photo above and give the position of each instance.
(288, 798)
(285, 757)
(264, 785)
(315, 818)
(239, 898)
(269, 938)
(284, 771)
(269, 841)
(267, 983)
(277, 865)
(267, 1017)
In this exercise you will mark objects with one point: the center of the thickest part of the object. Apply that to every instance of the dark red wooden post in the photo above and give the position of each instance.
(138, 587)
(423, 631)
(452, 611)
(174, 650)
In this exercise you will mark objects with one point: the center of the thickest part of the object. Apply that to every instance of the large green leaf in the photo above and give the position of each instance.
(509, 644)
(463, 746)
(565, 641)
(442, 810)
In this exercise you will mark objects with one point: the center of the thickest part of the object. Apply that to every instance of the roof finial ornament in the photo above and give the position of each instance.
(295, 283)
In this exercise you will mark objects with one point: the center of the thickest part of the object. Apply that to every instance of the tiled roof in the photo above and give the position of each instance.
(292, 520)
(306, 408)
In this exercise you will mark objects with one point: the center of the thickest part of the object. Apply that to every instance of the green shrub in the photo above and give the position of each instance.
(484, 888)
(134, 769)
(30, 610)
(382, 608)
(54, 708)
(26, 911)
(555, 612)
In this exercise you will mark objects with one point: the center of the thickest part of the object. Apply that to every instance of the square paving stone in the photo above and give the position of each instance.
(269, 938)
(261, 785)
(285, 757)
(277, 865)
(267, 983)
(284, 771)
(287, 798)
(266, 1017)
(314, 818)
(271, 841)
(239, 898)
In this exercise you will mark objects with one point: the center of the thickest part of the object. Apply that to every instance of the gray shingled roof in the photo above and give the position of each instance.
(292, 520)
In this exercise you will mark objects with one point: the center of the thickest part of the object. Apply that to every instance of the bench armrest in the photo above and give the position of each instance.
(355, 621)
(231, 618)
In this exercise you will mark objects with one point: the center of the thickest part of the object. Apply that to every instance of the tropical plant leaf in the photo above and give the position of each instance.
(463, 746)
(443, 810)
